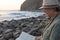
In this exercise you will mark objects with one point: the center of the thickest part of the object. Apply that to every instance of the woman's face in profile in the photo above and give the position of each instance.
(49, 11)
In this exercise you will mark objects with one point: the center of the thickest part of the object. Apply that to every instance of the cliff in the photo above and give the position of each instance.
(31, 5)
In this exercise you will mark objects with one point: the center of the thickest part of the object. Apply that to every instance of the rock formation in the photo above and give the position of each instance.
(10, 30)
(31, 5)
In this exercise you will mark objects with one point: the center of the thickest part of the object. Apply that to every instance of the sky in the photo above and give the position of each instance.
(10, 4)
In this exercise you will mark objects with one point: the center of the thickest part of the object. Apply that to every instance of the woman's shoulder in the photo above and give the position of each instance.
(55, 33)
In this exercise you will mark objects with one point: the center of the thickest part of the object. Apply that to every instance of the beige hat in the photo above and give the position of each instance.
(49, 4)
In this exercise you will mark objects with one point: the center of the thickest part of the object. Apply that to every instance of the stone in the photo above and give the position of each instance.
(10, 30)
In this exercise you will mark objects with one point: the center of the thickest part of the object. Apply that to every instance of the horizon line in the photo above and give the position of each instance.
(9, 10)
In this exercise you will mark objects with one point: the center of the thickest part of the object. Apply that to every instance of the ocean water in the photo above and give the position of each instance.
(9, 15)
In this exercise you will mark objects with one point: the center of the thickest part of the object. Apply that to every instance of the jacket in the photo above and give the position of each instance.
(53, 31)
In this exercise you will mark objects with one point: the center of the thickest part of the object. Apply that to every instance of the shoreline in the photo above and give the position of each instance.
(33, 26)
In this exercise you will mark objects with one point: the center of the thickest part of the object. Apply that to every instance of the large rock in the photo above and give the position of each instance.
(31, 5)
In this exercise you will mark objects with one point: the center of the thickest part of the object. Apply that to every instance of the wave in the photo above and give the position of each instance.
(8, 15)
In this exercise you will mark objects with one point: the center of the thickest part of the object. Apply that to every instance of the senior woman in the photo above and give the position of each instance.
(52, 30)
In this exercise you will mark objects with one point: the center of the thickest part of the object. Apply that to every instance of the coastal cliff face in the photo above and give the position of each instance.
(31, 5)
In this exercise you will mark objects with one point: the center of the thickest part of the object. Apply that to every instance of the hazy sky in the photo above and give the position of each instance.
(10, 4)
